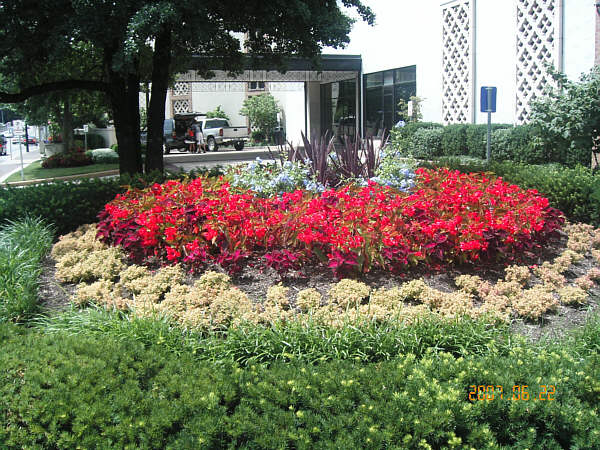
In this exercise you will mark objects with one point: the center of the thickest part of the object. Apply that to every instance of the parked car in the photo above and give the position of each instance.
(218, 132)
(175, 130)
(30, 140)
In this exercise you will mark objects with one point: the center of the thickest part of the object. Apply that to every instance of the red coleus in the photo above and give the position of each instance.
(448, 218)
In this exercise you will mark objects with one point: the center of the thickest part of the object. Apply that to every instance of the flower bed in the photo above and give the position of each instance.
(448, 218)
(212, 301)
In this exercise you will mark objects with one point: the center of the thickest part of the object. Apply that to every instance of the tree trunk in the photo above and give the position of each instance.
(124, 100)
(161, 61)
(67, 123)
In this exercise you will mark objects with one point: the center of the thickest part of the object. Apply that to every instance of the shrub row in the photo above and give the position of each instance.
(574, 191)
(22, 246)
(67, 205)
(429, 140)
(78, 391)
(508, 143)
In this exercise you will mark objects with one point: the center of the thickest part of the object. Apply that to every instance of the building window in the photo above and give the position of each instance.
(383, 91)
(256, 85)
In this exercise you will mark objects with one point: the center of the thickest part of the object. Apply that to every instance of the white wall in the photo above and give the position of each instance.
(579, 37)
(290, 96)
(230, 96)
(495, 52)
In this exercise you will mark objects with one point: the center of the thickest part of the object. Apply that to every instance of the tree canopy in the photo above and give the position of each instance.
(111, 47)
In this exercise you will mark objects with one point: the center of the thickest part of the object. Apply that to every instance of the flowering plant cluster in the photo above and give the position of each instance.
(270, 179)
(448, 218)
(394, 170)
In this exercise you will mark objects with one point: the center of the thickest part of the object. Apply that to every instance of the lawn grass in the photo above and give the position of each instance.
(35, 171)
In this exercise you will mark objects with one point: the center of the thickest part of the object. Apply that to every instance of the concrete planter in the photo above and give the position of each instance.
(53, 149)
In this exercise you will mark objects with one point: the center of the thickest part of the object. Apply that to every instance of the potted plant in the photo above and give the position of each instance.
(54, 143)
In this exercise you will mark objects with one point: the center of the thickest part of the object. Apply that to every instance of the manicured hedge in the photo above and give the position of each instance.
(574, 191)
(81, 392)
(67, 205)
(429, 140)
(522, 143)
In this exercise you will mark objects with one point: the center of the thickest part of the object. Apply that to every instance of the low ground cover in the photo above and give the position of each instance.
(68, 391)
(35, 171)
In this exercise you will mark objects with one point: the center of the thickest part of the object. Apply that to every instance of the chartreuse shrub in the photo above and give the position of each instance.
(575, 191)
(67, 205)
(65, 391)
(22, 246)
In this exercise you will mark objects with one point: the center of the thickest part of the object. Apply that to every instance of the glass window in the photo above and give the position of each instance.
(374, 79)
(406, 74)
(256, 85)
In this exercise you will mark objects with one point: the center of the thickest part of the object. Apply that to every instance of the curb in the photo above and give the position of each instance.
(105, 173)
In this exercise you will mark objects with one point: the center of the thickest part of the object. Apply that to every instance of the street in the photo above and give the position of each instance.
(12, 161)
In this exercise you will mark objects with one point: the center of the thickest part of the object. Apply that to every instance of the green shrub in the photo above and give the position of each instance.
(454, 140)
(476, 138)
(575, 191)
(62, 391)
(95, 141)
(67, 159)
(23, 244)
(401, 137)
(67, 205)
(568, 117)
(258, 136)
(104, 155)
(425, 143)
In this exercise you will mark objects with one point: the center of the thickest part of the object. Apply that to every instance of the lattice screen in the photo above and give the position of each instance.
(181, 106)
(457, 62)
(538, 36)
(181, 89)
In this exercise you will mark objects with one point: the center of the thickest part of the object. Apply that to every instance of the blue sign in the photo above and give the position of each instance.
(488, 98)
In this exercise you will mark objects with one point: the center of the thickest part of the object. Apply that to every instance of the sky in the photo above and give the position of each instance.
(399, 24)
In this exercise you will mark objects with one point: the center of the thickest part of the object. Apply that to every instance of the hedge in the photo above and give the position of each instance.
(66, 205)
(429, 140)
(80, 392)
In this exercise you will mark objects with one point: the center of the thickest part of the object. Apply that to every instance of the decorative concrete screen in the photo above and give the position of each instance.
(539, 37)
(457, 61)
(181, 98)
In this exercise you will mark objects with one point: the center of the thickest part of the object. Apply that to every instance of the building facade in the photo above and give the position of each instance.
(511, 45)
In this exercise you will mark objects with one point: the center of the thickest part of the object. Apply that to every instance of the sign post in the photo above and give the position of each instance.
(86, 128)
(21, 154)
(488, 105)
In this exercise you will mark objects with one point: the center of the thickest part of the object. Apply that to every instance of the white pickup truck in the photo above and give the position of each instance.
(218, 132)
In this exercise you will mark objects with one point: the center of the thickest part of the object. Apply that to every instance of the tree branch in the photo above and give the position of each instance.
(89, 85)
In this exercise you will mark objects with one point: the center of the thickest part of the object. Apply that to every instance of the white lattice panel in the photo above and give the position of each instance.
(457, 61)
(232, 86)
(181, 106)
(538, 45)
(181, 89)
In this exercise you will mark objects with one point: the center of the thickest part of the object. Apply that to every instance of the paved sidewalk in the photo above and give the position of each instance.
(11, 163)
